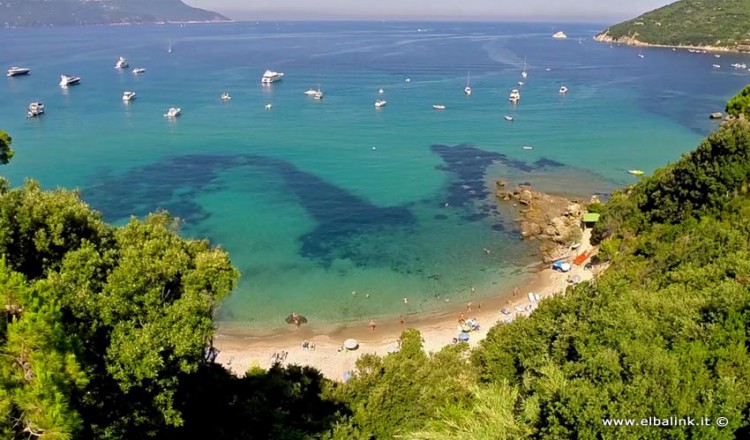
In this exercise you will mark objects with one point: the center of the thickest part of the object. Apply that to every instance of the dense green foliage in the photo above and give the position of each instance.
(690, 23)
(6, 153)
(94, 339)
(740, 104)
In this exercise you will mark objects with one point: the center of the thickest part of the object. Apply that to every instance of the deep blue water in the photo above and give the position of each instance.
(323, 203)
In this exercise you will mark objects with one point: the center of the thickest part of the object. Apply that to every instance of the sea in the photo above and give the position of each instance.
(335, 209)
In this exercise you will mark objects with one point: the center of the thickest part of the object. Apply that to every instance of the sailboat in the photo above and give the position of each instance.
(523, 72)
(640, 55)
(169, 49)
(467, 89)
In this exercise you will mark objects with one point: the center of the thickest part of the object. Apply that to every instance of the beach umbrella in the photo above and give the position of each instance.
(463, 337)
(290, 319)
(347, 376)
(351, 344)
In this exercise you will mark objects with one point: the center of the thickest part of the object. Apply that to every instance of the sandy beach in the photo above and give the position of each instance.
(239, 351)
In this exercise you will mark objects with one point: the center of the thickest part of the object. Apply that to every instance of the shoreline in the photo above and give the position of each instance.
(240, 350)
(604, 37)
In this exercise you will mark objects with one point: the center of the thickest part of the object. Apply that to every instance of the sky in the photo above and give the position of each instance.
(528, 10)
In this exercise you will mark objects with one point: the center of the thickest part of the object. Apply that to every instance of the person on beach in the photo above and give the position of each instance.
(468, 306)
(515, 291)
(401, 319)
(295, 319)
(473, 290)
(372, 325)
(479, 306)
(461, 319)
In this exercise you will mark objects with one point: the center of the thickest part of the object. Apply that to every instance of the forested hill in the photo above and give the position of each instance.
(717, 23)
(82, 12)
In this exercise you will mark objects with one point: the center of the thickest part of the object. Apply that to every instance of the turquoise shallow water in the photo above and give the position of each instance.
(316, 200)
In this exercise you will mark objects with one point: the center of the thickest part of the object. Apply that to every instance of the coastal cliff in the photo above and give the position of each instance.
(716, 25)
(19, 13)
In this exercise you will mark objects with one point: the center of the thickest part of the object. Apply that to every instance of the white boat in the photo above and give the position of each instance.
(514, 96)
(523, 72)
(467, 89)
(169, 47)
(640, 55)
(128, 96)
(139, 70)
(521, 83)
(717, 66)
(381, 91)
(18, 71)
(225, 96)
(527, 147)
(563, 90)
(438, 106)
(270, 77)
(635, 172)
(508, 118)
(408, 80)
(122, 63)
(717, 56)
(380, 103)
(318, 94)
(69, 80)
(739, 66)
(268, 107)
(559, 35)
(173, 112)
(311, 92)
(35, 109)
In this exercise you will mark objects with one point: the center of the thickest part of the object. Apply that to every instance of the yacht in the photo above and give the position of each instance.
(225, 96)
(563, 90)
(311, 92)
(559, 35)
(717, 66)
(381, 91)
(380, 103)
(270, 77)
(527, 147)
(514, 96)
(467, 89)
(69, 80)
(139, 70)
(128, 96)
(408, 80)
(640, 55)
(438, 107)
(521, 83)
(268, 106)
(18, 71)
(173, 112)
(509, 118)
(122, 63)
(35, 109)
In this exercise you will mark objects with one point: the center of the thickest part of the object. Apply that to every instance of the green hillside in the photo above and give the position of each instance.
(86, 12)
(105, 331)
(724, 23)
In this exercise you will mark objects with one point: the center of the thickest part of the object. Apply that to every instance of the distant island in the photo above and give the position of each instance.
(18, 13)
(708, 24)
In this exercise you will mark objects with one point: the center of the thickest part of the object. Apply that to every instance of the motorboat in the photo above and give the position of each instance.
(514, 96)
(381, 91)
(521, 83)
(523, 72)
(18, 71)
(438, 107)
(128, 96)
(225, 96)
(527, 147)
(739, 65)
(139, 70)
(69, 80)
(563, 90)
(270, 77)
(467, 89)
(640, 55)
(35, 109)
(268, 107)
(408, 80)
(311, 92)
(559, 35)
(717, 66)
(635, 172)
(173, 112)
(318, 95)
(122, 63)
(380, 103)
(508, 118)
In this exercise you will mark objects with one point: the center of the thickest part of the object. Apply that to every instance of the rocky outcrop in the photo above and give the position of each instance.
(552, 220)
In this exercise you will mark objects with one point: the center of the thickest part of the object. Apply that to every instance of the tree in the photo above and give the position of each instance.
(6, 152)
